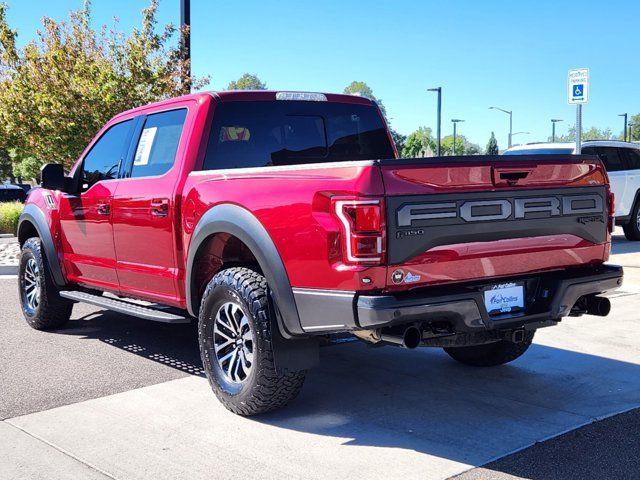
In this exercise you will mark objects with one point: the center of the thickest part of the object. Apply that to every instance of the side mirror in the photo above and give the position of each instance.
(52, 176)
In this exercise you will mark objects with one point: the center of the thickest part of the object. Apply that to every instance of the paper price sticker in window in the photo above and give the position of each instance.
(144, 146)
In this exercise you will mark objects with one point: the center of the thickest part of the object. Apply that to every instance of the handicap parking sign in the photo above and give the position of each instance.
(578, 83)
(578, 90)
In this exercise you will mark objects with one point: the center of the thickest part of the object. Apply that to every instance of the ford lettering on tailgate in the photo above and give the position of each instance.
(418, 223)
(501, 209)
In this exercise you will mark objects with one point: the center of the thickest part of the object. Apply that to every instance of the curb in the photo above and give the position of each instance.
(8, 269)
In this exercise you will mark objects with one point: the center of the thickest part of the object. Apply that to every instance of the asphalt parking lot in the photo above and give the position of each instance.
(116, 397)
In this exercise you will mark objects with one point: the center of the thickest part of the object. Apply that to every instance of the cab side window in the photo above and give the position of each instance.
(632, 156)
(103, 160)
(158, 143)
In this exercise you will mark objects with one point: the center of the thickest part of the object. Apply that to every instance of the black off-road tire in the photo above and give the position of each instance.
(491, 354)
(52, 311)
(632, 229)
(263, 389)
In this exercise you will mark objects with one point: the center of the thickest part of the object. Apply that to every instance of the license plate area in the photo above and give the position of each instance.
(504, 298)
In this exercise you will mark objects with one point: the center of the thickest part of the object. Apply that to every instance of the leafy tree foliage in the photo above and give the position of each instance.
(592, 133)
(364, 90)
(446, 145)
(398, 139)
(6, 169)
(57, 91)
(418, 143)
(247, 81)
(492, 145)
(634, 129)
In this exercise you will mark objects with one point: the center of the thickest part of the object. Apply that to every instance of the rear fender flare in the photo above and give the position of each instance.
(239, 222)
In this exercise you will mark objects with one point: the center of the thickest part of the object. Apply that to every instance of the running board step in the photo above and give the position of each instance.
(122, 306)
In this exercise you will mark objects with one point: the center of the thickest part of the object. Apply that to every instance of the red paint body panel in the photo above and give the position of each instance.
(141, 256)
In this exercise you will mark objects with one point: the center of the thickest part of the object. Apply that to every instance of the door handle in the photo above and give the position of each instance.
(103, 209)
(160, 207)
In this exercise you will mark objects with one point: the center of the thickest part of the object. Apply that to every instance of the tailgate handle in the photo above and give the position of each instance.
(509, 176)
(513, 175)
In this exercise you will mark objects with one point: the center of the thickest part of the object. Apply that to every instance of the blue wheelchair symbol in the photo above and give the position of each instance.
(578, 90)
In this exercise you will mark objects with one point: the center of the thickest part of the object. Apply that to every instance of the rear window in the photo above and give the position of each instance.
(258, 134)
(541, 151)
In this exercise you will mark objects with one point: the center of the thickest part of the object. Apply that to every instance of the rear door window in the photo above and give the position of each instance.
(157, 146)
(259, 134)
(632, 157)
(611, 158)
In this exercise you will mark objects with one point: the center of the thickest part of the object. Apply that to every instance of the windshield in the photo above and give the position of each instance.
(541, 151)
(257, 134)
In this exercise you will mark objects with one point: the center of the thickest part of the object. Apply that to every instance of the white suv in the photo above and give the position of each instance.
(622, 161)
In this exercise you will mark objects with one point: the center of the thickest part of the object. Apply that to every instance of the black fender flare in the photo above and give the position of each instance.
(241, 223)
(36, 217)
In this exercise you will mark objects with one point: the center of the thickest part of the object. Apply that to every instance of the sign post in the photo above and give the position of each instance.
(578, 94)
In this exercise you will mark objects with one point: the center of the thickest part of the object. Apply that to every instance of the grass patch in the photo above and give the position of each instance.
(9, 215)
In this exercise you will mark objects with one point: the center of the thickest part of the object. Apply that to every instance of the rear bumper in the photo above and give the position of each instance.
(550, 296)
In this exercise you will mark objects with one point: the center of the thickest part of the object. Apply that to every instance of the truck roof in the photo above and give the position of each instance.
(249, 95)
(571, 145)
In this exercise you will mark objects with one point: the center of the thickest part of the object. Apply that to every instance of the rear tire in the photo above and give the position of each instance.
(632, 229)
(234, 332)
(491, 354)
(42, 306)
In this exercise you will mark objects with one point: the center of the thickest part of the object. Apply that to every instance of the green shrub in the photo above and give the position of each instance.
(9, 215)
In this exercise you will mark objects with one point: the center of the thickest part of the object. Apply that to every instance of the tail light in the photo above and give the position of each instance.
(611, 204)
(363, 229)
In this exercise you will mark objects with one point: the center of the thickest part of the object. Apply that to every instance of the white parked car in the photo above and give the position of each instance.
(622, 161)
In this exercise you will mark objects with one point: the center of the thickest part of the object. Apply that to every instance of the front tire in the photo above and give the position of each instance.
(491, 354)
(42, 306)
(632, 229)
(234, 332)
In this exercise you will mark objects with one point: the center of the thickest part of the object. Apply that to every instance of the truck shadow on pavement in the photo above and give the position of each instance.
(417, 400)
(620, 245)
(174, 346)
(423, 401)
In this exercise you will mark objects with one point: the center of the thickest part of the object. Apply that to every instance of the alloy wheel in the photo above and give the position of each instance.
(233, 342)
(31, 289)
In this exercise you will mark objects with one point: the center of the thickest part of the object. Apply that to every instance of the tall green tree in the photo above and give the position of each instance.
(364, 90)
(492, 145)
(419, 143)
(248, 81)
(592, 133)
(634, 129)
(446, 145)
(58, 91)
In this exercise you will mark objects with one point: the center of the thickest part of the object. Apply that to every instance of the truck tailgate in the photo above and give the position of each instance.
(465, 218)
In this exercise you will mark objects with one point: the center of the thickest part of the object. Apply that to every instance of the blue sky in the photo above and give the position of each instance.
(511, 54)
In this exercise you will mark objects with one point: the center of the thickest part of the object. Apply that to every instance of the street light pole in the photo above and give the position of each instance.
(185, 43)
(625, 126)
(439, 90)
(553, 129)
(520, 133)
(455, 122)
(510, 113)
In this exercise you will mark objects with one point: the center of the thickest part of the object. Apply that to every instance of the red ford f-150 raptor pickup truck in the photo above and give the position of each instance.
(282, 219)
